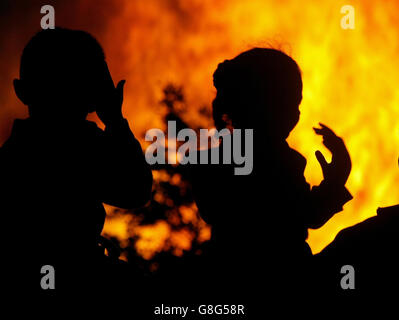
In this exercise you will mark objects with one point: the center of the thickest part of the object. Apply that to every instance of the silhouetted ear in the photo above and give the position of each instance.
(21, 91)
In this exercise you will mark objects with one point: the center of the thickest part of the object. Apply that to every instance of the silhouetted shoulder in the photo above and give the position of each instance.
(297, 159)
(367, 238)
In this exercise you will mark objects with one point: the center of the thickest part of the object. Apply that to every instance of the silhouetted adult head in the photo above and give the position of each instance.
(261, 89)
(61, 74)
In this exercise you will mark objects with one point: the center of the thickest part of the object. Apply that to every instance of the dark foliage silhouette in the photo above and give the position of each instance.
(166, 204)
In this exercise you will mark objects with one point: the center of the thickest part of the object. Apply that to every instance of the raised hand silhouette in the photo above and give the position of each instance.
(336, 172)
(109, 100)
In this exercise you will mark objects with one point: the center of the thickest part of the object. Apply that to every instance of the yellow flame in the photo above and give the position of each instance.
(351, 77)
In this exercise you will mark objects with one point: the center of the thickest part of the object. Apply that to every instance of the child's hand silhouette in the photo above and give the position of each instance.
(110, 99)
(336, 172)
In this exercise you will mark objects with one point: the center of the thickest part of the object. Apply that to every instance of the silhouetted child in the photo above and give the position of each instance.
(59, 168)
(260, 221)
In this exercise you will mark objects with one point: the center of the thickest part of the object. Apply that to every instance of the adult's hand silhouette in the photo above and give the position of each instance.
(336, 172)
(110, 99)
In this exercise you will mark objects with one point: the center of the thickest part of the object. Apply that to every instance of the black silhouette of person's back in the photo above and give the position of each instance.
(58, 169)
(371, 248)
(260, 221)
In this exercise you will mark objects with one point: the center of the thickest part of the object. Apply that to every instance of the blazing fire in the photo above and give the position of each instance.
(351, 81)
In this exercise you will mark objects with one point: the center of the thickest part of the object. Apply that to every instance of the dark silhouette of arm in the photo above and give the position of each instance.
(325, 201)
(316, 204)
(330, 196)
(128, 178)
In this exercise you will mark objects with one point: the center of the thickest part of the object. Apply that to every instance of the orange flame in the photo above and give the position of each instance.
(350, 77)
(351, 81)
